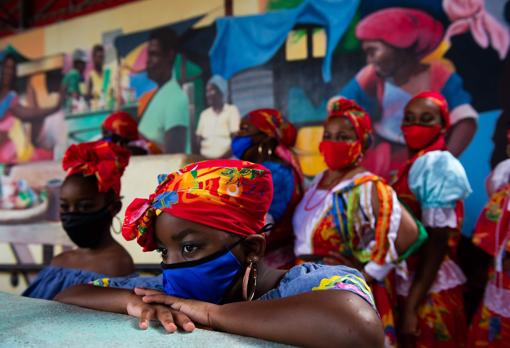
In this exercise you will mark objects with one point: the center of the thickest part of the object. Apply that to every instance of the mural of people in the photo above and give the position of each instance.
(99, 85)
(395, 41)
(164, 111)
(218, 122)
(73, 81)
(16, 143)
(121, 128)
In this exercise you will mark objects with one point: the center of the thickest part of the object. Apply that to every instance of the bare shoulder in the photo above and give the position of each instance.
(118, 262)
(65, 259)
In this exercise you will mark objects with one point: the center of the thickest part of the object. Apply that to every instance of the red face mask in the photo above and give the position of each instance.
(340, 154)
(419, 137)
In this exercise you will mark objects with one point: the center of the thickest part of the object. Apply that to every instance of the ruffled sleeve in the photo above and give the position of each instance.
(52, 280)
(310, 277)
(438, 180)
(384, 256)
(499, 177)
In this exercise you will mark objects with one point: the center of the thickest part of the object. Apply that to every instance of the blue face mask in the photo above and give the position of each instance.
(240, 145)
(207, 279)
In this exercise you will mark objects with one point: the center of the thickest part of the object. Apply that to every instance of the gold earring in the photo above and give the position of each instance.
(119, 223)
(250, 281)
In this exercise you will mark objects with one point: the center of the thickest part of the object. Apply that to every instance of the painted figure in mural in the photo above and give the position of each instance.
(396, 41)
(164, 112)
(120, 128)
(219, 122)
(89, 199)
(350, 216)
(16, 143)
(99, 85)
(433, 184)
(224, 250)
(491, 324)
(73, 81)
(266, 137)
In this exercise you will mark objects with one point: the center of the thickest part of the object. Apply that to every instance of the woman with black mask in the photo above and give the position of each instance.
(89, 200)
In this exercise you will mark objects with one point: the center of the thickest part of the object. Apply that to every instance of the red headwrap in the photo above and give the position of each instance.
(360, 119)
(272, 123)
(229, 195)
(402, 28)
(122, 124)
(439, 100)
(103, 159)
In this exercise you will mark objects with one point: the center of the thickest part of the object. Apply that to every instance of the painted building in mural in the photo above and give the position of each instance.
(168, 69)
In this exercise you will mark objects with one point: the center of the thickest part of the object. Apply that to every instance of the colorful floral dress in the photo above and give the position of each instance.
(343, 220)
(433, 185)
(491, 324)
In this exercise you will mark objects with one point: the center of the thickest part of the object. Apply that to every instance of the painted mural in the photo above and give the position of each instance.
(187, 86)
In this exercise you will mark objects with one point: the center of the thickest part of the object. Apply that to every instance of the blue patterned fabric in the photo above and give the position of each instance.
(52, 280)
(313, 277)
(155, 283)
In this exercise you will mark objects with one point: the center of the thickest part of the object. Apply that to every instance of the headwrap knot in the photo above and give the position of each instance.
(229, 195)
(103, 159)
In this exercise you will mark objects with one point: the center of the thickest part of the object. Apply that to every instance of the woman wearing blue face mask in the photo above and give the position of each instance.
(89, 199)
(267, 138)
(207, 220)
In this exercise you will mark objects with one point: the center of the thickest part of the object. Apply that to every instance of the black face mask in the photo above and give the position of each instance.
(86, 229)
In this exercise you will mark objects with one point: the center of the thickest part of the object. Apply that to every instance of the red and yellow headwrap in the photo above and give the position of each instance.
(122, 124)
(439, 100)
(103, 159)
(229, 195)
(272, 123)
(360, 119)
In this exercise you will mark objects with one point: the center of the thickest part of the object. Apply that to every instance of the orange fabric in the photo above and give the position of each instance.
(144, 101)
(442, 321)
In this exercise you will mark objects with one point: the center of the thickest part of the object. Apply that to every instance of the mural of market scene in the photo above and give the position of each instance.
(174, 83)
(171, 79)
